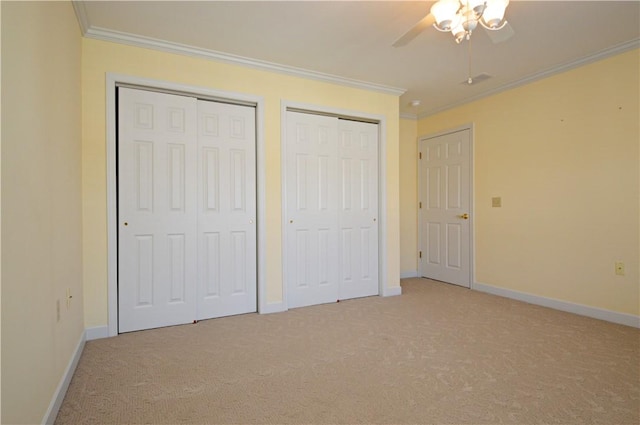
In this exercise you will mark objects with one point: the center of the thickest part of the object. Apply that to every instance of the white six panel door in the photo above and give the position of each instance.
(157, 266)
(226, 210)
(358, 209)
(311, 209)
(444, 216)
(331, 191)
(186, 209)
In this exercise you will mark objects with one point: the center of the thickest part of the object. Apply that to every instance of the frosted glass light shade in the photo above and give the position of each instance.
(444, 12)
(494, 13)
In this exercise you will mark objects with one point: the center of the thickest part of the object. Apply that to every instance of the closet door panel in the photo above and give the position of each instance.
(358, 210)
(157, 246)
(227, 282)
(311, 222)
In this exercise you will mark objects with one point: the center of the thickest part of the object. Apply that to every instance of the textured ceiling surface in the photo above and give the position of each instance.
(353, 40)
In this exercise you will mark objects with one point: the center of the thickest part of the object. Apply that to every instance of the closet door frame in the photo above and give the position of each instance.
(380, 120)
(116, 80)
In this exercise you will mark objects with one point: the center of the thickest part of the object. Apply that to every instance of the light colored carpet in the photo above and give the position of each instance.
(437, 354)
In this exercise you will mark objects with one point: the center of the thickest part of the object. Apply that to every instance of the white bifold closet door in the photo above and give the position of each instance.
(186, 209)
(331, 189)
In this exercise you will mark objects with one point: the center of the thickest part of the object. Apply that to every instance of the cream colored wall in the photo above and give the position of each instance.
(563, 153)
(41, 205)
(0, 218)
(408, 197)
(101, 57)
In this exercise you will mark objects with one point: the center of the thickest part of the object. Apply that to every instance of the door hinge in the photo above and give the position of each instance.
(420, 155)
(420, 254)
(419, 204)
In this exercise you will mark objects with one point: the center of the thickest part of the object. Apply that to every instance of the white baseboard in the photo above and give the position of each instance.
(582, 310)
(58, 396)
(97, 332)
(391, 292)
(408, 274)
(269, 308)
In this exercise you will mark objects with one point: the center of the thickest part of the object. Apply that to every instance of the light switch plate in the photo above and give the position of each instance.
(496, 202)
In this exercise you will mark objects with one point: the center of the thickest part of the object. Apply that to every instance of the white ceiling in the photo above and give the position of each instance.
(353, 40)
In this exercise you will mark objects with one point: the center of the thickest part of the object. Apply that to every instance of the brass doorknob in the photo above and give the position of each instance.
(464, 216)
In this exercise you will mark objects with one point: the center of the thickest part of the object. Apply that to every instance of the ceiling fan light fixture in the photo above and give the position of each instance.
(444, 12)
(493, 16)
(464, 15)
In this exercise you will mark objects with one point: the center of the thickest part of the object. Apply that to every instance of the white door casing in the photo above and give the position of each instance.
(157, 215)
(358, 214)
(187, 209)
(445, 207)
(226, 210)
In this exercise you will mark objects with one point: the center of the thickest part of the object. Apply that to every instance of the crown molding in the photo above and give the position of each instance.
(103, 34)
(81, 15)
(408, 116)
(177, 48)
(603, 54)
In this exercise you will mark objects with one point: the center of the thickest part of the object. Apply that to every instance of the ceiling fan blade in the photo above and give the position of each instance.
(501, 35)
(415, 31)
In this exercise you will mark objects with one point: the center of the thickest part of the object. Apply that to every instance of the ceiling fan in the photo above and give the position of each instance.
(461, 18)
